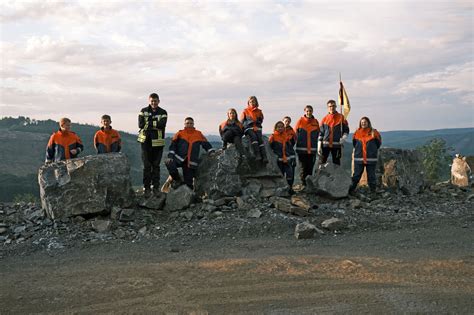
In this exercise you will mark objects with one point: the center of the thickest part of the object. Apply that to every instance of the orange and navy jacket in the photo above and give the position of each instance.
(330, 133)
(366, 143)
(252, 119)
(107, 140)
(290, 132)
(282, 145)
(60, 145)
(185, 146)
(236, 127)
(307, 133)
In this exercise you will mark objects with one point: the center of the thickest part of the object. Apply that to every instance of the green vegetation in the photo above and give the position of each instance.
(436, 160)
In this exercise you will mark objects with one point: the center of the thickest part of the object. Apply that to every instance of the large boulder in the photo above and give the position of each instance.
(401, 170)
(87, 185)
(329, 180)
(179, 198)
(227, 174)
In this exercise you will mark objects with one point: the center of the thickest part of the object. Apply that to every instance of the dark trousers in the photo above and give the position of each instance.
(230, 137)
(335, 153)
(287, 171)
(188, 173)
(359, 170)
(151, 157)
(256, 141)
(306, 165)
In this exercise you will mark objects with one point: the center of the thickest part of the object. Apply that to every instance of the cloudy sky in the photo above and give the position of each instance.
(405, 64)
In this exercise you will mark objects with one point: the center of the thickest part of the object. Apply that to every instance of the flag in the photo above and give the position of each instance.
(344, 100)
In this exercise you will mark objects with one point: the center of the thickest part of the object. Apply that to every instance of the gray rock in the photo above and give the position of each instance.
(3, 230)
(187, 214)
(227, 174)
(115, 213)
(142, 231)
(304, 230)
(156, 201)
(101, 226)
(401, 170)
(330, 180)
(333, 224)
(127, 215)
(179, 198)
(281, 204)
(91, 184)
(254, 213)
(242, 204)
(19, 229)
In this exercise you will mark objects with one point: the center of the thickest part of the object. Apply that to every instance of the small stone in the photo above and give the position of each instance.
(3, 230)
(254, 213)
(127, 215)
(304, 230)
(333, 224)
(301, 202)
(217, 214)
(142, 231)
(101, 226)
(356, 203)
(281, 204)
(187, 214)
(470, 197)
(115, 213)
(19, 229)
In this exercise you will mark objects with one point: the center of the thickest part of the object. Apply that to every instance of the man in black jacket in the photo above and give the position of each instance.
(152, 122)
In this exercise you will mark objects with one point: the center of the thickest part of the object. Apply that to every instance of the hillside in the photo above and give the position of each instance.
(23, 142)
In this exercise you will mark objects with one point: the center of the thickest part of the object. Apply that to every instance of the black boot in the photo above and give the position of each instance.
(256, 151)
(263, 153)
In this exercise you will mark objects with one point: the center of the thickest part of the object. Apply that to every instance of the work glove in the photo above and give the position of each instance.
(343, 139)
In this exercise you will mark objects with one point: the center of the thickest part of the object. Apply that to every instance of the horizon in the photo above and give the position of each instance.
(405, 65)
(217, 134)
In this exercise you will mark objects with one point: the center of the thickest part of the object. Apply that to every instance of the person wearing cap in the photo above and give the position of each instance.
(152, 123)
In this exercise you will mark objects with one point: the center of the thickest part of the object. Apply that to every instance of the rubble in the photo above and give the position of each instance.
(333, 224)
(304, 230)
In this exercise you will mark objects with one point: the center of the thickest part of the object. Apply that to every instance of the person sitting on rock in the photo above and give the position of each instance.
(291, 133)
(63, 144)
(252, 119)
(307, 133)
(184, 152)
(282, 145)
(107, 139)
(367, 142)
(231, 131)
(334, 132)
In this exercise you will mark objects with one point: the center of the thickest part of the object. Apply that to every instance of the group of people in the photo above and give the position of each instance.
(305, 142)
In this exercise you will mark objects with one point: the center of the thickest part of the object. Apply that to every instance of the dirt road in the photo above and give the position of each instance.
(410, 270)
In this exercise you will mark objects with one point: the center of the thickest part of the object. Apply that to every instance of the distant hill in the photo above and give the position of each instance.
(23, 143)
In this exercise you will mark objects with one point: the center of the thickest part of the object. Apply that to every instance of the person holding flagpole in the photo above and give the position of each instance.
(334, 130)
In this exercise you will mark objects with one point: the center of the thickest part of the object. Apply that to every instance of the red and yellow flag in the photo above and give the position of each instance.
(344, 100)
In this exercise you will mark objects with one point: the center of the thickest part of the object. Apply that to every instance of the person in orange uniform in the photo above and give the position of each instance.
(107, 139)
(366, 141)
(252, 119)
(63, 144)
(291, 133)
(231, 131)
(184, 152)
(307, 133)
(334, 130)
(282, 145)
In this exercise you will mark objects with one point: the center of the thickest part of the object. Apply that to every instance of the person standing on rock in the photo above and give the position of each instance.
(184, 152)
(252, 119)
(152, 123)
(282, 145)
(63, 144)
(334, 131)
(366, 141)
(307, 133)
(231, 131)
(107, 139)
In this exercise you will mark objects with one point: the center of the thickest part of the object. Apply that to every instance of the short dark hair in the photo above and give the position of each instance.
(309, 106)
(277, 123)
(287, 117)
(154, 95)
(106, 117)
(332, 102)
(188, 118)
